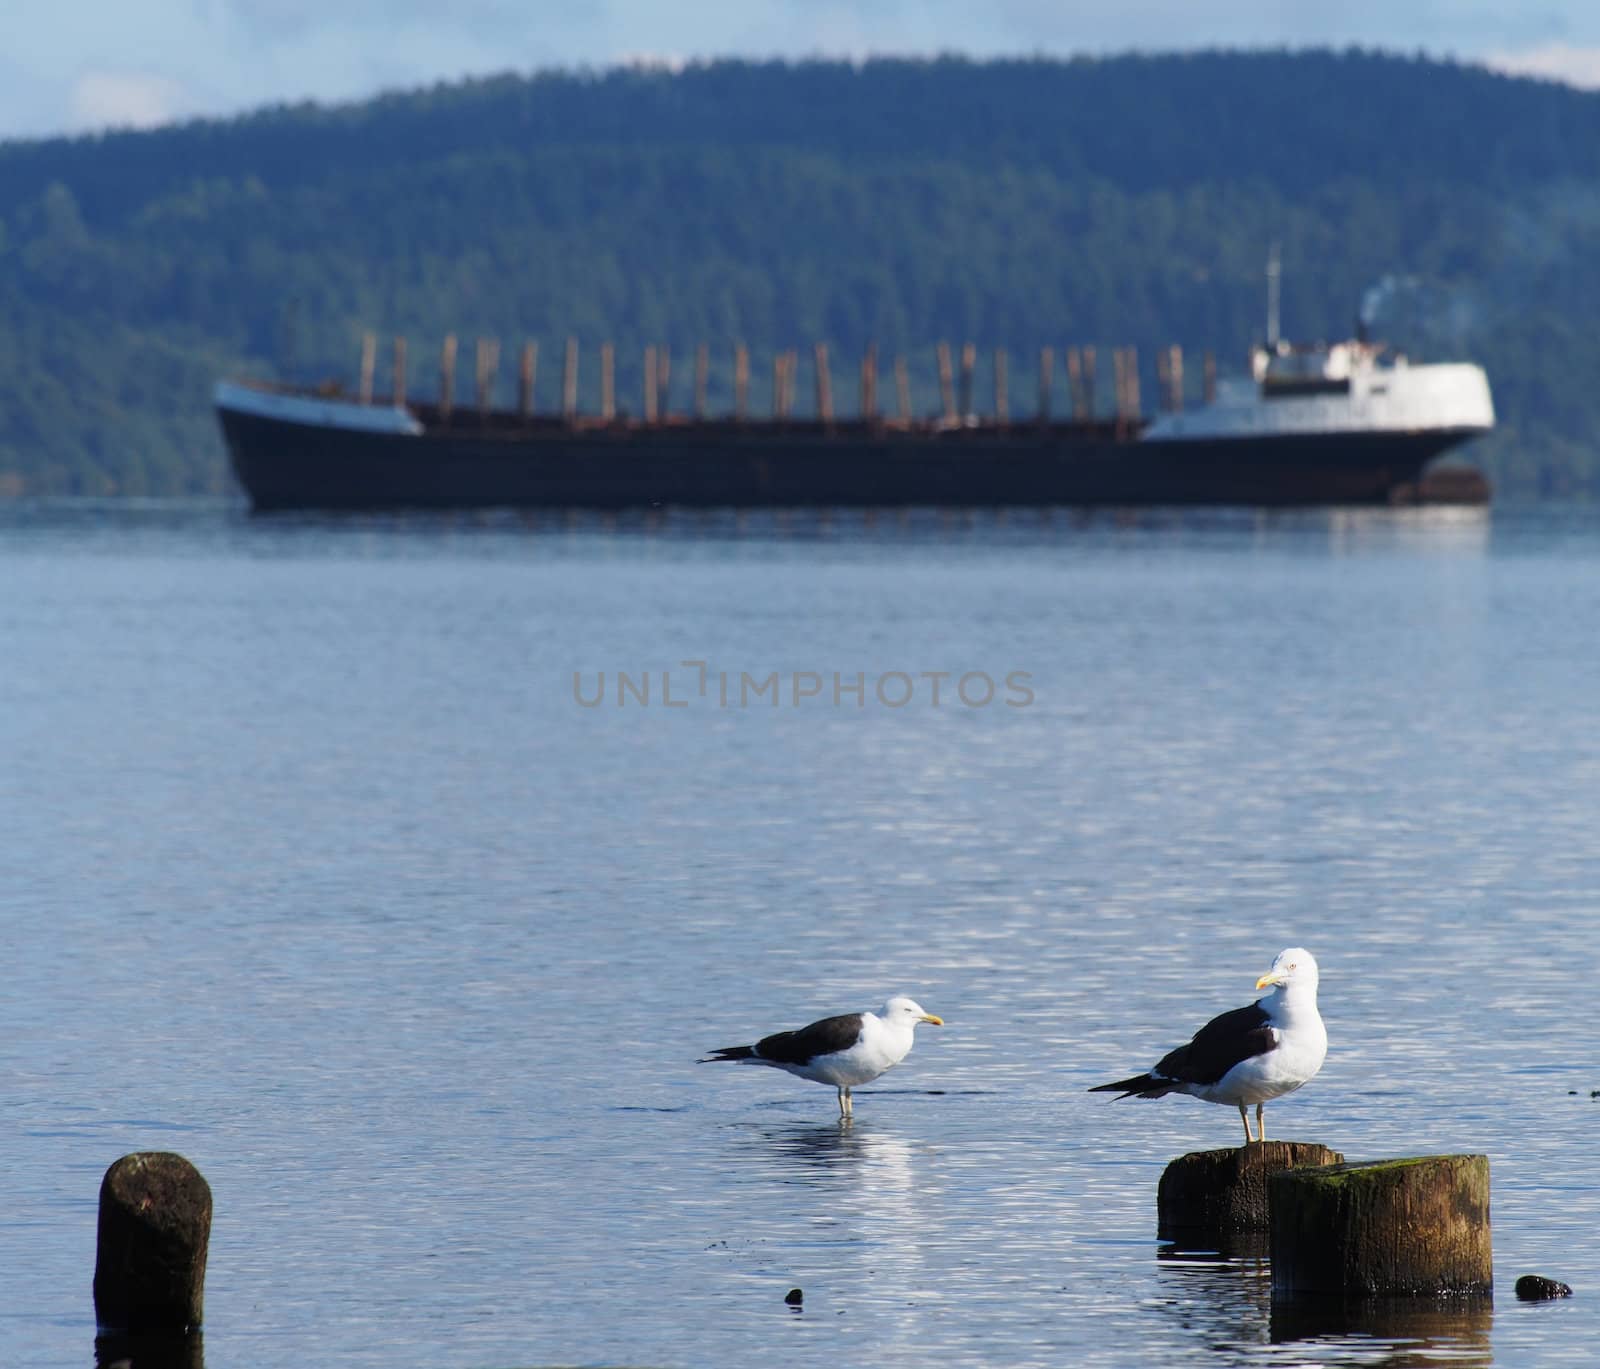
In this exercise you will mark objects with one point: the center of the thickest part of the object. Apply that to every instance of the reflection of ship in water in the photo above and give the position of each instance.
(1224, 1297)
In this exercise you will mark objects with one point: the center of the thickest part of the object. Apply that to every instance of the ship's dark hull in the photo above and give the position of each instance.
(289, 465)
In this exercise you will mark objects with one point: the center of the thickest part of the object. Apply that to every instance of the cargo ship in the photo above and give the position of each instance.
(1339, 423)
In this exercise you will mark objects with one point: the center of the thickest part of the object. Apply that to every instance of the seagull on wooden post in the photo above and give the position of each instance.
(844, 1051)
(1249, 1055)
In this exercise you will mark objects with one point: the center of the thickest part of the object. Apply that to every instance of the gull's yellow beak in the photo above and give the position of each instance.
(1269, 978)
(929, 1017)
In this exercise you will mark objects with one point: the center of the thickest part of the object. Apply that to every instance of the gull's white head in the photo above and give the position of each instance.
(1294, 968)
(902, 1009)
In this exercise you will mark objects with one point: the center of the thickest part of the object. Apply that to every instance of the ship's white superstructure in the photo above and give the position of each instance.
(1334, 389)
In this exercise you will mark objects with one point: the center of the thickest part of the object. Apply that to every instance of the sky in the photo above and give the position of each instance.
(74, 66)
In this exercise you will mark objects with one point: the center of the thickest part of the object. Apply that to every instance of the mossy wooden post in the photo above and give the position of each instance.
(1411, 1227)
(1224, 1192)
(150, 1257)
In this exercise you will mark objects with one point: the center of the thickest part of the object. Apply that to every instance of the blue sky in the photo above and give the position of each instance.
(77, 65)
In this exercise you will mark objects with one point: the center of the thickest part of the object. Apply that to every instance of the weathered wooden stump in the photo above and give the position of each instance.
(150, 1350)
(1384, 1228)
(150, 1260)
(1224, 1192)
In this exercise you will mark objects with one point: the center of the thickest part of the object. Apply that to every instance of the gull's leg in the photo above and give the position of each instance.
(844, 1103)
(849, 1104)
(1261, 1122)
(1244, 1116)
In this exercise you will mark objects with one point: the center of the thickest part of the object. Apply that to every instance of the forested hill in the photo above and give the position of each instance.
(1021, 203)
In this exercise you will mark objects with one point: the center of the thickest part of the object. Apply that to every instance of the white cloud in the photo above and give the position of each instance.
(124, 99)
(1565, 62)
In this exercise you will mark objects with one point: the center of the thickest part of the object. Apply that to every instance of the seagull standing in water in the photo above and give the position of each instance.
(1249, 1055)
(844, 1051)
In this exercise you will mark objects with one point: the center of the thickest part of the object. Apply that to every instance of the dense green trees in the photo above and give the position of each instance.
(1014, 203)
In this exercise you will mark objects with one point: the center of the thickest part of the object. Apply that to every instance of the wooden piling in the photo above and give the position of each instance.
(969, 366)
(649, 384)
(702, 372)
(447, 376)
(1047, 365)
(1075, 384)
(397, 386)
(819, 353)
(869, 382)
(1225, 1191)
(1416, 1226)
(741, 381)
(150, 1256)
(902, 389)
(488, 361)
(369, 364)
(947, 397)
(569, 381)
(1002, 400)
(664, 378)
(527, 372)
(608, 381)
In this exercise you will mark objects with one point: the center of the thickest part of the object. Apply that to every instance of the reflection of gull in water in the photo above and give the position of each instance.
(869, 1165)
(851, 1236)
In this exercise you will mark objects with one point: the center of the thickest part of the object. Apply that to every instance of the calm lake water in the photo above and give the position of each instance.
(318, 870)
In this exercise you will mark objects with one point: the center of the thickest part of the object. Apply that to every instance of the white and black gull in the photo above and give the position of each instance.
(844, 1051)
(1249, 1055)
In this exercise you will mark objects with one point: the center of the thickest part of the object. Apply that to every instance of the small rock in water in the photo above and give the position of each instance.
(1535, 1288)
(794, 1297)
